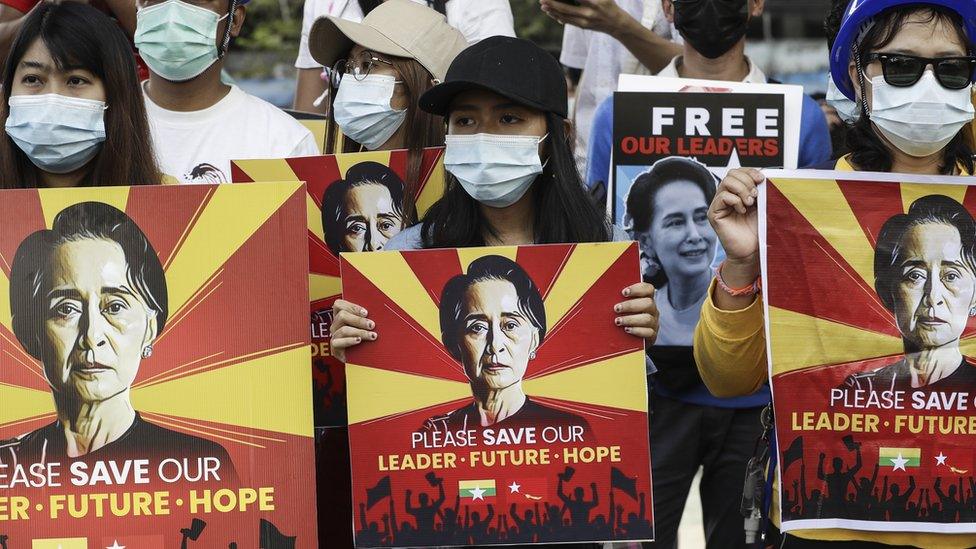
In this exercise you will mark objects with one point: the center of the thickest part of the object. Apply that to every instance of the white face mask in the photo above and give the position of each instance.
(58, 134)
(921, 119)
(847, 110)
(362, 110)
(495, 170)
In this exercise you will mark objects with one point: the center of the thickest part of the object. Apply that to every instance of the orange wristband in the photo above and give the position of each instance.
(752, 289)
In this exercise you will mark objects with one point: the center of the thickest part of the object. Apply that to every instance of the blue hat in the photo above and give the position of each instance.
(861, 12)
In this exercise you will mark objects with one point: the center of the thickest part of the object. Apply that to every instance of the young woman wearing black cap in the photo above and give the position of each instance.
(513, 177)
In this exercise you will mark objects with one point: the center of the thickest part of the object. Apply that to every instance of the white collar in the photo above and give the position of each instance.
(755, 76)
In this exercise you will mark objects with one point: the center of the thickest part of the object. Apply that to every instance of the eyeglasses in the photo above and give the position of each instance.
(359, 67)
(903, 70)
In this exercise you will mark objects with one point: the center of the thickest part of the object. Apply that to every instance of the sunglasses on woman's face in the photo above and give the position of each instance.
(903, 70)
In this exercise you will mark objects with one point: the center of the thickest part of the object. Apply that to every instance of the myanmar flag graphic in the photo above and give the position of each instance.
(899, 458)
(60, 543)
(476, 489)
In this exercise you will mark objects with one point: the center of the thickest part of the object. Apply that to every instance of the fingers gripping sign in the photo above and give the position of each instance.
(349, 327)
(638, 315)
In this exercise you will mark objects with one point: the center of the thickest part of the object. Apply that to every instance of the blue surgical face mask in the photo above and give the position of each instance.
(363, 112)
(178, 40)
(59, 134)
(495, 170)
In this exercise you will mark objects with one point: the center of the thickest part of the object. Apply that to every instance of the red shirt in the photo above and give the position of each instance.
(25, 6)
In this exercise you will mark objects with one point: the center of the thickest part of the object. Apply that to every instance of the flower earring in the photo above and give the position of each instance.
(147, 351)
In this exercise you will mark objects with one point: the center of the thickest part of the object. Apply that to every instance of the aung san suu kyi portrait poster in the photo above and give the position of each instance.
(499, 404)
(869, 287)
(356, 202)
(154, 382)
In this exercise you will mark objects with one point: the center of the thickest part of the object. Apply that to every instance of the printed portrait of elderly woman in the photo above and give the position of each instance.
(365, 210)
(925, 274)
(493, 321)
(88, 299)
(667, 214)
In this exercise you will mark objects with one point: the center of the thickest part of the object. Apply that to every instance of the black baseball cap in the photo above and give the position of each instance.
(513, 67)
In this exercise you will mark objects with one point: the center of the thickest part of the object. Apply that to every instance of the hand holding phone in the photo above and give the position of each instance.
(598, 15)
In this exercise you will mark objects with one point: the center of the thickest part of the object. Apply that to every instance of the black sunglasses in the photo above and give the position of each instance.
(903, 70)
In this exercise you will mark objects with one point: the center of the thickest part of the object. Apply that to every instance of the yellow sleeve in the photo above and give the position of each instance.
(730, 348)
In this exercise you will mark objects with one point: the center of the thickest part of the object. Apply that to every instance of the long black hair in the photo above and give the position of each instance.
(80, 36)
(868, 150)
(564, 211)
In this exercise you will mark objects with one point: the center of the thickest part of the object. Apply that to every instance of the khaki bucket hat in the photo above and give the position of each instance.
(401, 28)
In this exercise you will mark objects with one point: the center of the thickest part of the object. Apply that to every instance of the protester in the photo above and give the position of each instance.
(896, 59)
(475, 19)
(616, 37)
(714, 49)
(690, 427)
(199, 124)
(501, 192)
(74, 113)
(381, 67)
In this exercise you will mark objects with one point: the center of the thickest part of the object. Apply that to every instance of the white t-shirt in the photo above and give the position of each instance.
(603, 59)
(475, 19)
(755, 76)
(197, 146)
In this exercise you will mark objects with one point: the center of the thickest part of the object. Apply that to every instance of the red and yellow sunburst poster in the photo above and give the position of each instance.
(356, 202)
(870, 296)
(154, 382)
(499, 404)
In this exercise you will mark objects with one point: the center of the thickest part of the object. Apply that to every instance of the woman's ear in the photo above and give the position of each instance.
(535, 342)
(152, 327)
(650, 265)
(855, 81)
(644, 241)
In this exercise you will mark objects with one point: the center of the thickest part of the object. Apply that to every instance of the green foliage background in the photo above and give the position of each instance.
(266, 29)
